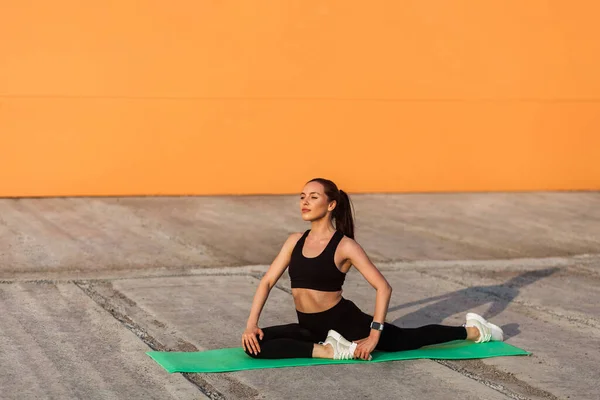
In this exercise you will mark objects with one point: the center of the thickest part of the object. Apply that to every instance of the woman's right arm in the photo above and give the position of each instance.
(267, 282)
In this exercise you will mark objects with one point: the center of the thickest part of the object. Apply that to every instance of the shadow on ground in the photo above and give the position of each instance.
(465, 300)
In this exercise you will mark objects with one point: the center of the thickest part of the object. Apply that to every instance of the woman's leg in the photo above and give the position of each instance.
(353, 324)
(285, 341)
(394, 338)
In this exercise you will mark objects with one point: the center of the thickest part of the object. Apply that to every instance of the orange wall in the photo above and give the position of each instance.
(203, 97)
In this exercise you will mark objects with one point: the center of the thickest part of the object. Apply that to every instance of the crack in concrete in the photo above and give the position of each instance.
(34, 281)
(492, 377)
(88, 288)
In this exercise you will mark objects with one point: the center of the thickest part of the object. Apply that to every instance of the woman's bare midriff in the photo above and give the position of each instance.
(313, 301)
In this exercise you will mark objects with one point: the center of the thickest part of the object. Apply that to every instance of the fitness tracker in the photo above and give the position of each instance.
(376, 326)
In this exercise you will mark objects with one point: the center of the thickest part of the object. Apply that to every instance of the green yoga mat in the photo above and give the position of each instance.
(234, 359)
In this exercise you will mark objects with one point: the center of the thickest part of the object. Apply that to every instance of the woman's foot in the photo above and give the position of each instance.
(487, 330)
(342, 349)
(321, 350)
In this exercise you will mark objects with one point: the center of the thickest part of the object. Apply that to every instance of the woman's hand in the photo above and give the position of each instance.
(249, 341)
(366, 346)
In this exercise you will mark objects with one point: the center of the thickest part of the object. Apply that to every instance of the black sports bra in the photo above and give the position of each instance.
(320, 272)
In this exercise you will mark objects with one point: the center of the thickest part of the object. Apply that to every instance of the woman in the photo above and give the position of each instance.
(330, 326)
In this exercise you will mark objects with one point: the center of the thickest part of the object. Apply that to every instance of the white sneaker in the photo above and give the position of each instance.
(342, 348)
(487, 330)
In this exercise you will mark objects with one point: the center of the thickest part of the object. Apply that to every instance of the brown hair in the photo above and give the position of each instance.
(342, 213)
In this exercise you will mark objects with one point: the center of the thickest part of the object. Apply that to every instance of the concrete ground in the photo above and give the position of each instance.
(87, 285)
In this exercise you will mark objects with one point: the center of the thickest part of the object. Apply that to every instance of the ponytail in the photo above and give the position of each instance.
(344, 222)
(343, 211)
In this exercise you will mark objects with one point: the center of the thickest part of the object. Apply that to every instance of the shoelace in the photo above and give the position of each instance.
(343, 353)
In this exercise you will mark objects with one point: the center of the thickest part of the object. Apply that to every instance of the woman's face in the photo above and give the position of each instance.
(313, 202)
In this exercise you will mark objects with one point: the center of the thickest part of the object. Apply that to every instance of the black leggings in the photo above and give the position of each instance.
(297, 340)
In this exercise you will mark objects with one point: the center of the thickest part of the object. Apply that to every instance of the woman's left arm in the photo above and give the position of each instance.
(357, 256)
